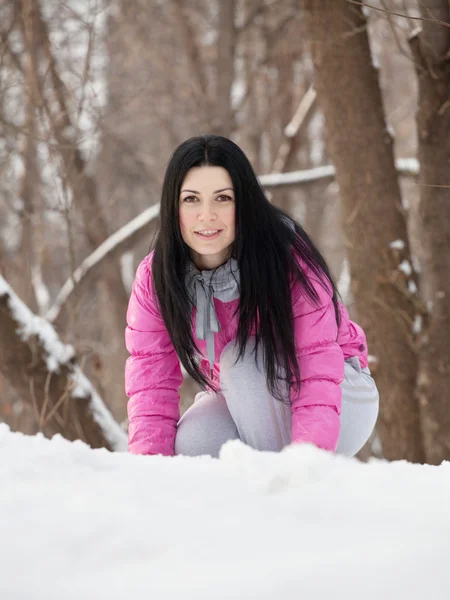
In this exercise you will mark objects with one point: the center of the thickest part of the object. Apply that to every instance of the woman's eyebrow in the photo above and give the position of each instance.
(216, 192)
(223, 189)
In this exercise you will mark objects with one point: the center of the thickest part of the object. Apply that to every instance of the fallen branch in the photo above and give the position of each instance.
(45, 373)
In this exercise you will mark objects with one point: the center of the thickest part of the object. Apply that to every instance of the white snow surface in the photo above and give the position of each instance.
(82, 523)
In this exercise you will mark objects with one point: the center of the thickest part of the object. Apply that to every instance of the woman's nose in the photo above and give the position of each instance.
(207, 212)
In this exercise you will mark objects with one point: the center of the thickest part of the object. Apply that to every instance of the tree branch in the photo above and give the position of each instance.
(125, 238)
(396, 14)
(293, 128)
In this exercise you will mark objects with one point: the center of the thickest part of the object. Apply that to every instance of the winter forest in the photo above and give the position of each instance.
(343, 107)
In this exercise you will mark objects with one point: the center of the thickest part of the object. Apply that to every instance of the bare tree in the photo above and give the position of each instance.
(52, 95)
(383, 281)
(431, 49)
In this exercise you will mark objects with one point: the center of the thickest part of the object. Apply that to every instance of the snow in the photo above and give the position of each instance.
(127, 270)
(408, 167)
(238, 90)
(297, 177)
(405, 267)
(316, 128)
(373, 360)
(366, 11)
(375, 59)
(412, 287)
(40, 289)
(417, 325)
(397, 245)
(345, 281)
(376, 445)
(83, 523)
(390, 130)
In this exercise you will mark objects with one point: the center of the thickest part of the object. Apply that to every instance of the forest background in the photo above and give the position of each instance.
(342, 106)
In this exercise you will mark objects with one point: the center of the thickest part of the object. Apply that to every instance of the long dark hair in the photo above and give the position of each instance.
(265, 248)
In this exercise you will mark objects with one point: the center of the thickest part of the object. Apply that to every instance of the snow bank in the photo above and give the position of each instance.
(302, 524)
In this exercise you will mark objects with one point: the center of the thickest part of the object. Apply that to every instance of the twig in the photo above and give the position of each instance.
(433, 17)
(42, 419)
(34, 400)
(434, 185)
(63, 397)
(391, 12)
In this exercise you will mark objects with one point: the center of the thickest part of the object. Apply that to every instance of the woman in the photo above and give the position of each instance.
(237, 292)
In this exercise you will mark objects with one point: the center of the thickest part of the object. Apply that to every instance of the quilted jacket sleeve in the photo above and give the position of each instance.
(152, 372)
(316, 408)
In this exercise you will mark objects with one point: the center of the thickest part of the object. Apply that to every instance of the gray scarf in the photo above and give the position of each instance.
(202, 286)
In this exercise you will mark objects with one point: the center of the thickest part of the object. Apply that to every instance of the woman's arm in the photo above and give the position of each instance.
(152, 372)
(316, 408)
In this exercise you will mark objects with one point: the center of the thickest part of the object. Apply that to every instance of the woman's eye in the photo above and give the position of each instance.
(221, 198)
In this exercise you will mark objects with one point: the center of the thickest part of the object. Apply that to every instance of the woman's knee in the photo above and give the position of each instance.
(360, 407)
(204, 428)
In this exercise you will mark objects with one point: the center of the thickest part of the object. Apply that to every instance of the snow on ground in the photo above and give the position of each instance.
(77, 523)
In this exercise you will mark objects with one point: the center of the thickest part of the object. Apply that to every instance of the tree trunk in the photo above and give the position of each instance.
(21, 271)
(223, 121)
(431, 49)
(362, 151)
(112, 293)
(44, 373)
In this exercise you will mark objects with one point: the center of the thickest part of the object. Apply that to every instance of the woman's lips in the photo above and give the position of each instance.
(208, 237)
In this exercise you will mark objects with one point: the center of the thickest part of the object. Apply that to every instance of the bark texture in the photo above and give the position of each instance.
(361, 149)
(431, 49)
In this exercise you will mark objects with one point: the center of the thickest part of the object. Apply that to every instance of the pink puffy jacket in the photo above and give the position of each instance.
(153, 374)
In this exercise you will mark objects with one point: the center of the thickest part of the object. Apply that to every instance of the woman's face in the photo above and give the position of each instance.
(207, 215)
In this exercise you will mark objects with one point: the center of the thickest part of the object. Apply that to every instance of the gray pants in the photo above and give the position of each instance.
(246, 410)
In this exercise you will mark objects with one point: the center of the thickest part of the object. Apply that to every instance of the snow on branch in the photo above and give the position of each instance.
(408, 167)
(45, 373)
